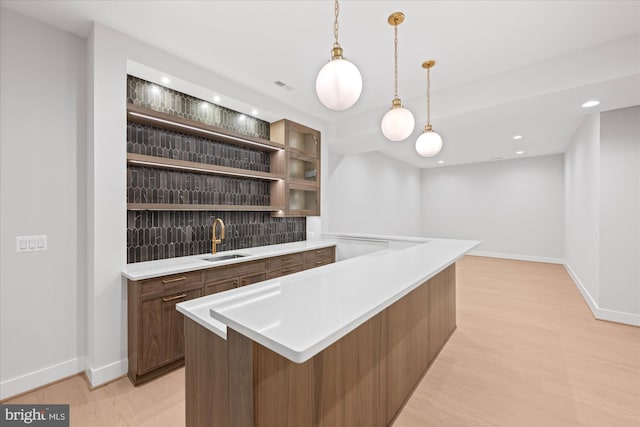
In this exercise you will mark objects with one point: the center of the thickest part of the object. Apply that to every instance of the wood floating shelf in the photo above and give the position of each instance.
(200, 207)
(147, 116)
(186, 166)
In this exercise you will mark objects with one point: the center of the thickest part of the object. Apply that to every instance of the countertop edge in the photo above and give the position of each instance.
(195, 262)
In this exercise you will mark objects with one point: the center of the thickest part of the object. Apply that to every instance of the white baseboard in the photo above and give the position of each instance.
(35, 379)
(601, 313)
(518, 257)
(106, 373)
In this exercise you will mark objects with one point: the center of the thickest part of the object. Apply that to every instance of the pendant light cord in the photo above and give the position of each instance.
(428, 96)
(395, 59)
(335, 23)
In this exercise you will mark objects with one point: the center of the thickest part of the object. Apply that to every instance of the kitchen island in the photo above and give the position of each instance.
(341, 345)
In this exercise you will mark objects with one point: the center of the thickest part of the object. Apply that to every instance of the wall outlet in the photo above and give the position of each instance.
(31, 243)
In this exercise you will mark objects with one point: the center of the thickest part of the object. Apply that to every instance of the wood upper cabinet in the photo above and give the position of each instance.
(301, 168)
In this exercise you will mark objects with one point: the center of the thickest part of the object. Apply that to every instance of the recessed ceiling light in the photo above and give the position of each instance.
(591, 103)
(254, 112)
(520, 152)
(216, 98)
(440, 162)
(165, 80)
(517, 137)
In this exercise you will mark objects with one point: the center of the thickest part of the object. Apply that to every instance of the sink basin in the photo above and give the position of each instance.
(217, 258)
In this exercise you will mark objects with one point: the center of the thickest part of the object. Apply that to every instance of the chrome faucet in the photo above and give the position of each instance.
(214, 239)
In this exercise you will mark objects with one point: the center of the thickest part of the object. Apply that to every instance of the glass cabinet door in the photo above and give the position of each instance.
(303, 170)
(303, 201)
(305, 142)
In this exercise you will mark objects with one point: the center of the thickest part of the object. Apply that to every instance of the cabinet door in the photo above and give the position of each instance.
(303, 201)
(303, 170)
(162, 330)
(303, 140)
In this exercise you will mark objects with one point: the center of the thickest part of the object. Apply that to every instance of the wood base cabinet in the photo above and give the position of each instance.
(156, 328)
(363, 379)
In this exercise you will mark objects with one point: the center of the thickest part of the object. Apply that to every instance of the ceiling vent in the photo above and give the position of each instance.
(282, 85)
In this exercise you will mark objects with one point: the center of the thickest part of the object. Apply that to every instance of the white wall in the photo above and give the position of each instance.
(582, 198)
(620, 210)
(42, 138)
(602, 223)
(515, 207)
(372, 193)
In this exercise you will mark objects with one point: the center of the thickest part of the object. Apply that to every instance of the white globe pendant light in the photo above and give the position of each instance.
(339, 83)
(398, 123)
(429, 143)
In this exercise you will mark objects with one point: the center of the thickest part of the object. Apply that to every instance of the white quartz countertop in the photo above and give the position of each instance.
(299, 315)
(151, 269)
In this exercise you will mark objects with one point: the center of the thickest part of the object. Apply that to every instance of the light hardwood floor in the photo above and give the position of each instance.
(527, 352)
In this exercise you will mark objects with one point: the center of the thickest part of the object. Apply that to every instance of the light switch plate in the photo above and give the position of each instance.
(31, 243)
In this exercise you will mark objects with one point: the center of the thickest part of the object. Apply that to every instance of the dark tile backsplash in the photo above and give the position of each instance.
(151, 185)
(153, 235)
(151, 141)
(159, 98)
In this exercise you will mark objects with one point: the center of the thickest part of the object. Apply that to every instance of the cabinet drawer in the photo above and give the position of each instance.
(283, 271)
(236, 270)
(284, 261)
(319, 254)
(168, 284)
(221, 286)
(317, 263)
(253, 278)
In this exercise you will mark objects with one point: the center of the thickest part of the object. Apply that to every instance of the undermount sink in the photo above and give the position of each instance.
(217, 258)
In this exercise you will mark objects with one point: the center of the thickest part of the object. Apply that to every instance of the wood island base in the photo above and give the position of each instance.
(363, 379)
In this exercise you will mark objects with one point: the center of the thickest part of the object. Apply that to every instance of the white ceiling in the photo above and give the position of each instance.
(503, 67)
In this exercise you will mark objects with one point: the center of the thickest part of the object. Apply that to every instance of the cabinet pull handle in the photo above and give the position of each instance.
(319, 252)
(319, 262)
(177, 279)
(175, 297)
(286, 270)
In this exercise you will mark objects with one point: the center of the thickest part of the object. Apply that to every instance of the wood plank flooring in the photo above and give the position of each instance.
(527, 352)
